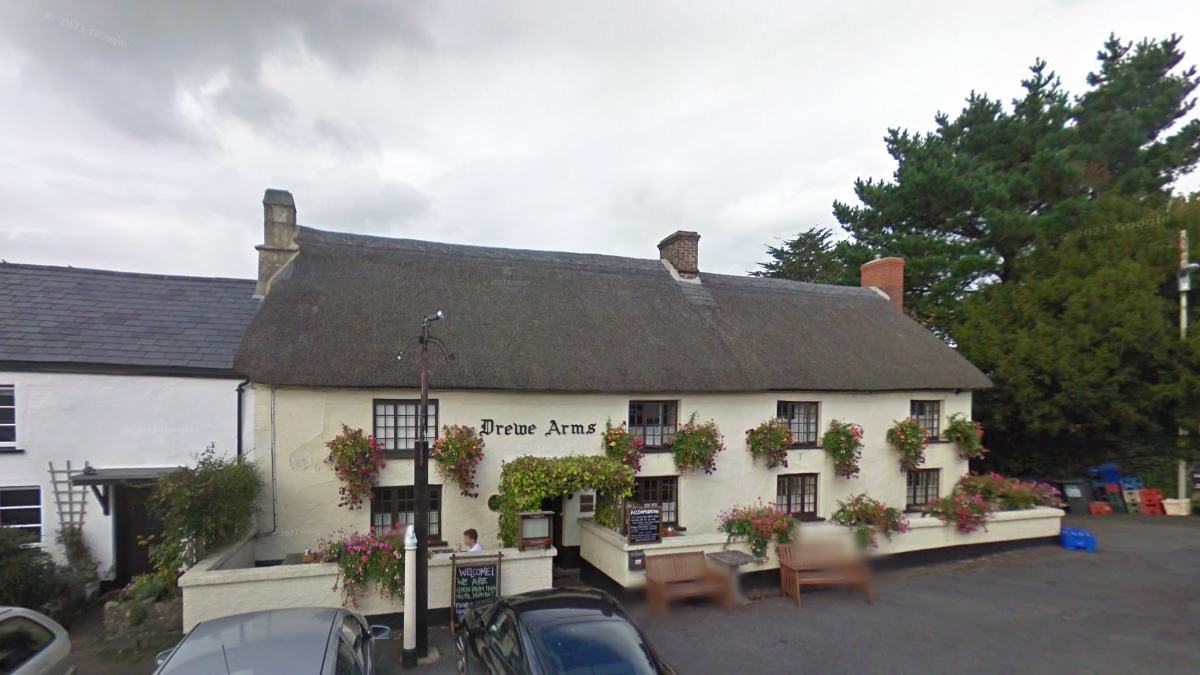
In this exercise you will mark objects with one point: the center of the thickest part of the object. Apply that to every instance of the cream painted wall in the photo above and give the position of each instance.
(218, 587)
(113, 421)
(297, 422)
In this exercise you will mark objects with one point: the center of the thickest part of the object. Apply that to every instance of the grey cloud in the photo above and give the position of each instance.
(344, 140)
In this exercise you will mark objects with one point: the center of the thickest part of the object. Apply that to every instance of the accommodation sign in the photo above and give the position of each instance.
(488, 427)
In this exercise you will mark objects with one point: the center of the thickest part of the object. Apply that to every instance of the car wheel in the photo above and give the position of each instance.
(461, 658)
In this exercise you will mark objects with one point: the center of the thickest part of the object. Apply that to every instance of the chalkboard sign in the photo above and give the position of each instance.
(474, 580)
(644, 524)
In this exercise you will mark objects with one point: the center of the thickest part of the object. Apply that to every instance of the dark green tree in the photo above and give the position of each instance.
(990, 187)
(1084, 350)
(809, 257)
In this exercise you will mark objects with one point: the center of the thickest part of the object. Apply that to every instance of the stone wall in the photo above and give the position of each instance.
(134, 623)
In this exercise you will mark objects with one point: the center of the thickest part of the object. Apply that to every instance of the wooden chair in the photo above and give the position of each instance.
(822, 564)
(674, 576)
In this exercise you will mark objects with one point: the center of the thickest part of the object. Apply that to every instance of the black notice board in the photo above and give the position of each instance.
(474, 580)
(644, 525)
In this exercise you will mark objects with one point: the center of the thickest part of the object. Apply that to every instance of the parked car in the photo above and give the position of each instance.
(316, 640)
(32, 643)
(554, 632)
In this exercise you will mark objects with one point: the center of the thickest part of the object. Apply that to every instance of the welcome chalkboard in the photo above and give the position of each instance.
(474, 580)
(644, 525)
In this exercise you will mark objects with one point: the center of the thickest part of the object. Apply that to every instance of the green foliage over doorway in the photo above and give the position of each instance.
(526, 481)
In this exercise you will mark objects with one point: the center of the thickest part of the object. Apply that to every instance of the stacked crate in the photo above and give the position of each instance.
(1131, 492)
(1152, 502)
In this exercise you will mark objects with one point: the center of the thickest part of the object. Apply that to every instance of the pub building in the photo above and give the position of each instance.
(549, 346)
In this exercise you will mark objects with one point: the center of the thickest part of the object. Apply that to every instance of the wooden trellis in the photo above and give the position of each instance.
(70, 499)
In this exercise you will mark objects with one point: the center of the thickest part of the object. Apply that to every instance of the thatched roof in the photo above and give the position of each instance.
(543, 321)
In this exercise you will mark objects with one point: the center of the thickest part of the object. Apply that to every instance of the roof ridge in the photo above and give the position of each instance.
(118, 273)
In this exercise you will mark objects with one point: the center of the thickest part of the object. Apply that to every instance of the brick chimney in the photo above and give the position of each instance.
(682, 250)
(279, 238)
(887, 276)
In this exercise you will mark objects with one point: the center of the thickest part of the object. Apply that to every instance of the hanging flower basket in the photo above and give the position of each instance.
(457, 453)
(356, 459)
(759, 524)
(867, 518)
(908, 438)
(622, 445)
(770, 441)
(696, 446)
(843, 442)
(967, 435)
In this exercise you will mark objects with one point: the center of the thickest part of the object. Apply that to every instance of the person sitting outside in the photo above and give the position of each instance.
(471, 541)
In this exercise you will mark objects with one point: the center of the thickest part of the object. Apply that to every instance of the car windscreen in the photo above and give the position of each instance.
(593, 647)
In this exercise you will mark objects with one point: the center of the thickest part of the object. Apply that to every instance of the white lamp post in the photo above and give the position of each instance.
(1185, 284)
(409, 658)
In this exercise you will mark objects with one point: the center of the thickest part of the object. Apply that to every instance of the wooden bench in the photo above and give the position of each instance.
(674, 576)
(822, 564)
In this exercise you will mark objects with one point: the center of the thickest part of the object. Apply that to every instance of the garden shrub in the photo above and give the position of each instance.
(201, 508)
(28, 576)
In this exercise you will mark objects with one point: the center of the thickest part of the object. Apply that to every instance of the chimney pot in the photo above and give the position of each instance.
(886, 275)
(682, 250)
(279, 237)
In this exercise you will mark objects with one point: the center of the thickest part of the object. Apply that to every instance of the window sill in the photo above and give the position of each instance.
(936, 441)
(12, 451)
(804, 446)
(809, 519)
(400, 454)
(657, 450)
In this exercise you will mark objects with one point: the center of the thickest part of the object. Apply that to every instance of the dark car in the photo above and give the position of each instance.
(554, 632)
(317, 640)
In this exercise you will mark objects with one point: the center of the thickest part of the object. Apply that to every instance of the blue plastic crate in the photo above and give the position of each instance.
(1078, 540)
(1132, 484)
(1109, 473)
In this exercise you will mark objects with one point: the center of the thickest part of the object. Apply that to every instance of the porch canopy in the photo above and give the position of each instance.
(100, 479)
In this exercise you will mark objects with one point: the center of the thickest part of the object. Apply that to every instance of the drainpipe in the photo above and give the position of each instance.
(240, 390)
(274, 492)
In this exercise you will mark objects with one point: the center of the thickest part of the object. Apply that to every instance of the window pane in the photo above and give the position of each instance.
(6, 396)
(8, 435)
(7, 416)
(396, 423)
(21, 497)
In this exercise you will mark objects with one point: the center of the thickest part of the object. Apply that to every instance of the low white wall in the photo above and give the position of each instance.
(608, 552)
(215, 587)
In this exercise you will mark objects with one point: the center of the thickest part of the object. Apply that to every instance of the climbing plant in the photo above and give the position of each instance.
(526, 481)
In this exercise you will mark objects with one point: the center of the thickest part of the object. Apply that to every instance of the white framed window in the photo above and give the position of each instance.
(21, 507)
(396, 423)
(8, 415)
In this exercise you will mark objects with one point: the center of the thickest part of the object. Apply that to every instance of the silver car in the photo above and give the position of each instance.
(32, 644)
(316, 640)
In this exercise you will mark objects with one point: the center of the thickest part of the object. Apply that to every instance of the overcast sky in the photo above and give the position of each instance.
(141, 137)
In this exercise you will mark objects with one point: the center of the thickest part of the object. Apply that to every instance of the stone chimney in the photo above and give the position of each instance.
(682, 250)
(279, 238)
(886, 275)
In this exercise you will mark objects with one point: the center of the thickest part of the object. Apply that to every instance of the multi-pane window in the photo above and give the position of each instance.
(397, 507)
(797, 494)
(663, 492)
(653, 422)
(396, 423)
(22, 508)
(587, 502)
(8, 416)
(929, 415)
(923, 486)
(801, 417)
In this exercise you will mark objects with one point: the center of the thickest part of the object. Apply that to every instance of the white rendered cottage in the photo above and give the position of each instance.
(551, 345)
(127, 374)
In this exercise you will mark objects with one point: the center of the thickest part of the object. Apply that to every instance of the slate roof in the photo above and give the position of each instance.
(63, 318)
(545, 321)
